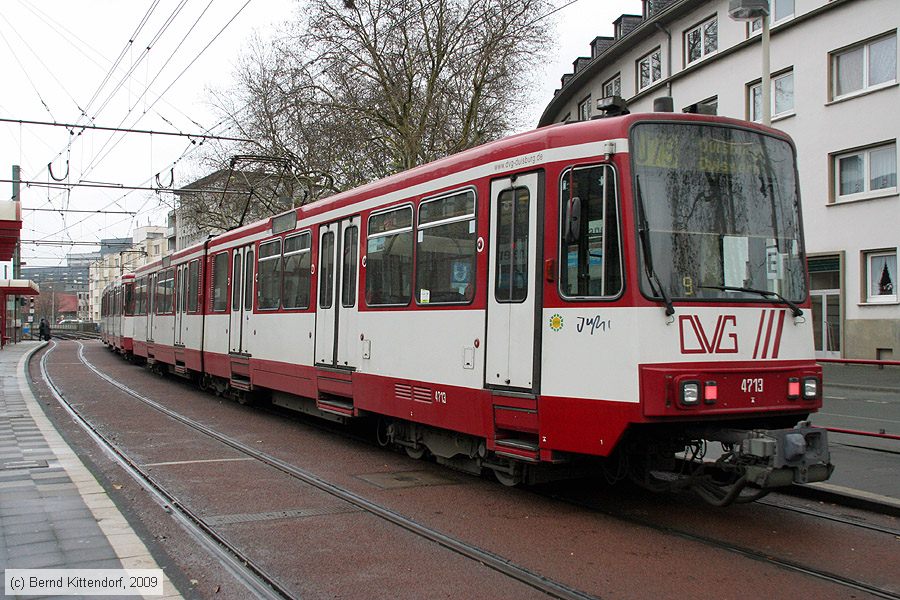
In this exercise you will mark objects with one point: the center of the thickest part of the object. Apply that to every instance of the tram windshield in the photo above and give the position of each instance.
(717, 208)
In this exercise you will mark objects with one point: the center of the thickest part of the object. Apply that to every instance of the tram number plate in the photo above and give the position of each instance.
(752, 385)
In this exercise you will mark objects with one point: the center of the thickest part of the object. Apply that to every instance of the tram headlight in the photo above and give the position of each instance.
(690, 393)
(810, 388)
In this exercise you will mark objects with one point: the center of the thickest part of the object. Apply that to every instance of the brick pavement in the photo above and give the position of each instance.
(53, 513)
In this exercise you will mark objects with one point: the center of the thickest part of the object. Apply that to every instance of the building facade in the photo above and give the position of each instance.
(834, 90)
(148, 244)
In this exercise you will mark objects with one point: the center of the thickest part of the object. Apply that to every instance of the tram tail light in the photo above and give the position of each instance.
(793, 388)
(710, 392)
(810, 388)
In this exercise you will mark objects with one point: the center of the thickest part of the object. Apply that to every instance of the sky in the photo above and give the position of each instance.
(57, 60)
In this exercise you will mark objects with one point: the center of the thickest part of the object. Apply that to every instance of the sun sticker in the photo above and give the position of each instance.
(556, 322)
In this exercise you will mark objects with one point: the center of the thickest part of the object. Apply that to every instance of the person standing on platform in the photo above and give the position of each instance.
(44, 330)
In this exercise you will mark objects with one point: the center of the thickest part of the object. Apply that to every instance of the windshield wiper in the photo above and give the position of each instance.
(644, 231)
(765, 293)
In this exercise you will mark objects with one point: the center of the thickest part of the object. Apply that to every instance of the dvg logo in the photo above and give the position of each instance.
(695, 339)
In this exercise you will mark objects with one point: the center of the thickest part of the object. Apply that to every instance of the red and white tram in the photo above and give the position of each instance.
(116, 315)
(624, 288)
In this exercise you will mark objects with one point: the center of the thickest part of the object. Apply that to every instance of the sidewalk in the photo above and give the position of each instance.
(868, 377)
(53, 513)
(867, 469)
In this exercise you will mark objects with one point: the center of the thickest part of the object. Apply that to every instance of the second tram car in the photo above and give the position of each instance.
(628, 289)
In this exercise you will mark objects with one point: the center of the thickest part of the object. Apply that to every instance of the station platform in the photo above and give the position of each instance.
(53, 512)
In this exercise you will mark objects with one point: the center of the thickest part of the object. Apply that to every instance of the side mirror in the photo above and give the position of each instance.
(573, 220)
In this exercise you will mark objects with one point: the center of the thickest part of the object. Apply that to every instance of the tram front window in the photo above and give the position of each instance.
(720, 209)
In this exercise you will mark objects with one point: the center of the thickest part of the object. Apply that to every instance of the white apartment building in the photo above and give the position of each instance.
(149, 244)
(834, 90)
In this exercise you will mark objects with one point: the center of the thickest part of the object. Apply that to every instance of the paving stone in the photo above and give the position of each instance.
(29, 538)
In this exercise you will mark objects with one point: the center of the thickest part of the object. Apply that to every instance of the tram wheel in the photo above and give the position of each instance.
(508, 479)
(415, 453)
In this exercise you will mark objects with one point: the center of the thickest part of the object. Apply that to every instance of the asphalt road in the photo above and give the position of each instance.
(863, 398)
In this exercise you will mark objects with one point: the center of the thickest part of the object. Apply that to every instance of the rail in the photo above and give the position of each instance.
(860, 361)
(880, 434)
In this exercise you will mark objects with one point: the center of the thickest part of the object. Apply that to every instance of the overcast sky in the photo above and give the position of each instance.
(56, 54)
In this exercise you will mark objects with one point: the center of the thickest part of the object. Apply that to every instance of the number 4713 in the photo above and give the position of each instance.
(752, 385)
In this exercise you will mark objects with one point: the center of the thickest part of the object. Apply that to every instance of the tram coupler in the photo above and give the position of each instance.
(780, 457)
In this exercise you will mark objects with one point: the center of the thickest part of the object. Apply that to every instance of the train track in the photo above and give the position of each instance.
(831, 517)
(238, 564)
(750, 553)
(254, 577)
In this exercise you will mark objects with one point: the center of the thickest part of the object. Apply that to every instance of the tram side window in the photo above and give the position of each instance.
(445, 254)
(166, 288)
(248, 280)
(129, 299)
(590, 256)
(389, 258)
(297, 262)
(220, 282)
(349, 260)
(268, 275)
(193, 286)
(511, 274)
(326, 270)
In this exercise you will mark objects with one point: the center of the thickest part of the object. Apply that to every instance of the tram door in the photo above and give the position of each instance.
(513, 286)
(241, 296)
(180, 296)
(151, 305)
(336, 308)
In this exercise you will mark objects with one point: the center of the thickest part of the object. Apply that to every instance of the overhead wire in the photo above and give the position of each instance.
(27, 76)
(169, 87)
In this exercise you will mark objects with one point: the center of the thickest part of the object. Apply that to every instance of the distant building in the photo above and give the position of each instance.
(148, 244)
(834, 90)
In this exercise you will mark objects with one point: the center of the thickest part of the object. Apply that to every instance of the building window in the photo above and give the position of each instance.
(866, 172)
(701, 41)
(613, 87)
(584, 109)
(446, 250)
(865, 66)
(779, 10)
(782, 99)
(649, 69)
(710, 106)
(881, 276)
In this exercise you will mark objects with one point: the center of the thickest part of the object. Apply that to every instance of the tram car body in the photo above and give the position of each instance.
(117, 315)
(621, 288)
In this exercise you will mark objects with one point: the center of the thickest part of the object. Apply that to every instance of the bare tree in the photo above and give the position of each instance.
(360, 89)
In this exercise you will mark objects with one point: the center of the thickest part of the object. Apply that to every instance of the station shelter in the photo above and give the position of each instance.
(12, 315)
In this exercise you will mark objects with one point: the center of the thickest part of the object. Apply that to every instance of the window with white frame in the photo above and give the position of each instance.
(782, 99)
(584, 109)
(649, 69)
(613, 87)
(866, 66)
(881, 276)
(701, 40)
(779, 10)
(866, 172)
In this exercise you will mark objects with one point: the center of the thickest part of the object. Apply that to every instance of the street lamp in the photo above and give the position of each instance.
(750, 10)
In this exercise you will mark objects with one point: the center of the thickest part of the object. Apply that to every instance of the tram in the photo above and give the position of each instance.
(622, 293)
